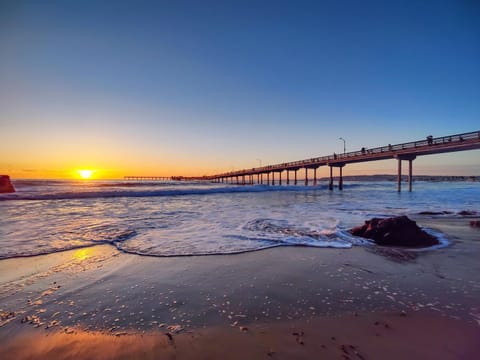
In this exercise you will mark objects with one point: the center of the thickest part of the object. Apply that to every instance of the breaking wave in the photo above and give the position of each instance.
(92, 194)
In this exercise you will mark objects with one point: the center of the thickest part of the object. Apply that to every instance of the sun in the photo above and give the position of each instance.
(85, 174)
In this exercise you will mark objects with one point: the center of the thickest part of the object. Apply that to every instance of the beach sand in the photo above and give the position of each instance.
(285, 303)
(367, 336)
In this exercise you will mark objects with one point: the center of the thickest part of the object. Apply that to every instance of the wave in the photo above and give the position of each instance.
(41, 182)
(101, 183)
(152, 193)
(308, 216)
(338, 239)
(108, 240)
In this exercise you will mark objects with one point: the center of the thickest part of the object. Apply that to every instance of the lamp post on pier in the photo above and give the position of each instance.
(344, 144)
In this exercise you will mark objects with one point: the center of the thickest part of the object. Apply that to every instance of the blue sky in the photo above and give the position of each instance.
(198, 87)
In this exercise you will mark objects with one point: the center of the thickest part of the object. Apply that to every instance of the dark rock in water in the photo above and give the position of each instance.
(467, 213)
(475, 223)
(395, 231)
(5, 184)
(434, 212)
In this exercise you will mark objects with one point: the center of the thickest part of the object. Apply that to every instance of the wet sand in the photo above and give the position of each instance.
(286, 303)
(367, 336)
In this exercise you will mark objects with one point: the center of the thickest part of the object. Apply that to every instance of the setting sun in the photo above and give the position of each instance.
(85, 174)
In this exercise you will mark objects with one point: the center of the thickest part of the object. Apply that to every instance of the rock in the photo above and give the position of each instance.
(467, 213)
(475, 223)
(395, 231)
(434, 212)
(5, 184)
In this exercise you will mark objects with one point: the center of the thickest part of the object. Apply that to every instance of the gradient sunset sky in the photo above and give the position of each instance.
(202, 87)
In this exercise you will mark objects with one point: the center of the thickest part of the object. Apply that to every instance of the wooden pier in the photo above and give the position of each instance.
(148, 178)
(401, 152)
(162, 178)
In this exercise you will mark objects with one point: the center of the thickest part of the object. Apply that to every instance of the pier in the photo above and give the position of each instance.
(148, 178)
(162, 178)
(406, 152)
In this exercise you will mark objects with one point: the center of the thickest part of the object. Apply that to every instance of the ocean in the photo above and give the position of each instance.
(198, 218)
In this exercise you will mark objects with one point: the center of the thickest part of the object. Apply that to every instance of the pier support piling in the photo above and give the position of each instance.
(399, 175)
(410, 177)
(295, 181)
(410, 159)
(340, 180)
(306, 176)
(330, 184)
(288, 178)
(340, 177)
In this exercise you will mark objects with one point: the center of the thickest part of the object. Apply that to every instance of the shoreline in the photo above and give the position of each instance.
(100, 294)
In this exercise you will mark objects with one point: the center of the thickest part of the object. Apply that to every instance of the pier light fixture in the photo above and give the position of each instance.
(344, 144)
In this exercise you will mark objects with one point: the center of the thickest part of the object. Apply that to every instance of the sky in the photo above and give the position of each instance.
(203, 87)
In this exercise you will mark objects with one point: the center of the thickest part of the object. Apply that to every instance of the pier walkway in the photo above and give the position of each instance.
(402, 152)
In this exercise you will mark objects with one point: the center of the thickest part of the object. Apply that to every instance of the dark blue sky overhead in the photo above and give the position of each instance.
(228, 82)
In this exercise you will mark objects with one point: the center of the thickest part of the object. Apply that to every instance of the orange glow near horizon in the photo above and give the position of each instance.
(116, 166)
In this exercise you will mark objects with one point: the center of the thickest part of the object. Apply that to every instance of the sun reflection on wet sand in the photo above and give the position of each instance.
(83, 254)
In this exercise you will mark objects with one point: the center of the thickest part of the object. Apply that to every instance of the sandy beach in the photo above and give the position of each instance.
(285, 303)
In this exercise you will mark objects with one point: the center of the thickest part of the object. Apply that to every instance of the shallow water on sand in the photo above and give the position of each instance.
(180, 218)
